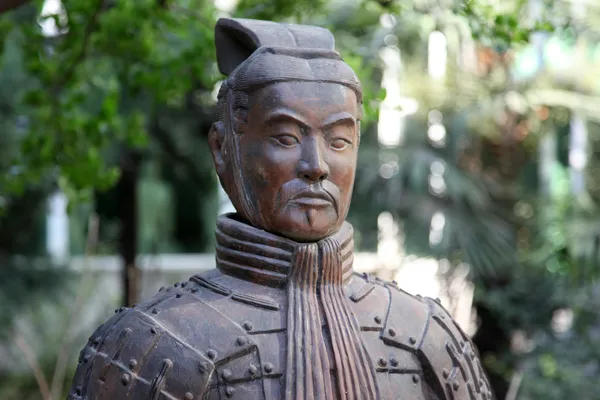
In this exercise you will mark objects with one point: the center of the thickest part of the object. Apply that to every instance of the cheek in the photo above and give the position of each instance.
(263, 175)
(254, 175)
(342, 171)
(268, 167)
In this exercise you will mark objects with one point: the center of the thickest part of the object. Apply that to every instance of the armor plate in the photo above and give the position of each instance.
(202, 339)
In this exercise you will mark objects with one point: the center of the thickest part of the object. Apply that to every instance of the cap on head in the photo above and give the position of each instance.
(257, 53)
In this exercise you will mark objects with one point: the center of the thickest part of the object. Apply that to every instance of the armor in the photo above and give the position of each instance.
(284, 315)
(220, 335)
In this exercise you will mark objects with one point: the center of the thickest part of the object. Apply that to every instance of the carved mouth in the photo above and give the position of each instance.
(313, 198)
(312, 201)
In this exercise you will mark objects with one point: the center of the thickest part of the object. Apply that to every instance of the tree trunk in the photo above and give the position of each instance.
(128, 199)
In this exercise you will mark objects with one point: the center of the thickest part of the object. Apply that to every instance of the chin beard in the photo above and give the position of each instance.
(311, 216)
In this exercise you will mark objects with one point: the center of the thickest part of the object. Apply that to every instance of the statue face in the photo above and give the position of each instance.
(298, 152)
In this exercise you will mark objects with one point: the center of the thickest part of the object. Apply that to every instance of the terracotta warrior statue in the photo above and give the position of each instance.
(283, 316)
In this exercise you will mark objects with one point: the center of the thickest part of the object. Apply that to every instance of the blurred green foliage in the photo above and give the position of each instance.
(140, 74)
(100, 82)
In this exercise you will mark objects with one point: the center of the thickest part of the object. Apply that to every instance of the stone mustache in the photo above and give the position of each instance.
(283, 316)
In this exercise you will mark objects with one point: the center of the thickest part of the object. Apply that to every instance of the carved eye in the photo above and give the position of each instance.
(340, 144)
(286, 140)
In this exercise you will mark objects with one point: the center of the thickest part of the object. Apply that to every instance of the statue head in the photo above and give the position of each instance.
(286, 140)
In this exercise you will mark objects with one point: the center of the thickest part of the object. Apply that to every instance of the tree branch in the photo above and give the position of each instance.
(68, 74)
(34, 365)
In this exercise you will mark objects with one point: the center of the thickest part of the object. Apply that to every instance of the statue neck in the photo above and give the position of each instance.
(252, 254)
(314, 275)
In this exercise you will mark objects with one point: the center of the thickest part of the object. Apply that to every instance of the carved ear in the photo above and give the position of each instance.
(237, 38)
(216, 137)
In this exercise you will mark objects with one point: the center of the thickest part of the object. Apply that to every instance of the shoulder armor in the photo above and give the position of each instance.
(424, 327)
(170, 346)
(452, 357)
(406, 319)
(369, 302)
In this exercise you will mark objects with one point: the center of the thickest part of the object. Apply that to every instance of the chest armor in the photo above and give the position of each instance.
(202, 340)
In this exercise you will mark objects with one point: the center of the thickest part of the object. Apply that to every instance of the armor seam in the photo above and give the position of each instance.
(172, 335)
(209, 284)
(387, 313)
(144, 360)
(256, 301)
(427, 323)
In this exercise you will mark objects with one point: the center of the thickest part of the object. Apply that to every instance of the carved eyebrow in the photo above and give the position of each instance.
(291, 116)
(286, 115)
(340, 118)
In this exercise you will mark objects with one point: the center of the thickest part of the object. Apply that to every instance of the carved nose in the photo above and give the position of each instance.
(317, 174)
(315, 169)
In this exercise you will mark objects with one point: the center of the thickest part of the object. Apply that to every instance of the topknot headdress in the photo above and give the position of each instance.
(256, 53)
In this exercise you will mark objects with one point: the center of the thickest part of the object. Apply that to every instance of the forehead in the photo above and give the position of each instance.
(311, 99)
